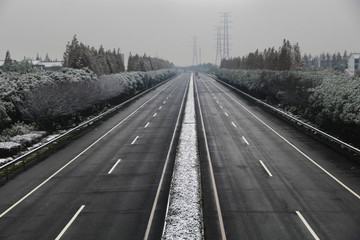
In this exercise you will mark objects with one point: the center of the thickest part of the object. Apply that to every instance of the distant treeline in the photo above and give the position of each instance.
(147, 63)
(334, 61)
(287, 57)
(78, 55)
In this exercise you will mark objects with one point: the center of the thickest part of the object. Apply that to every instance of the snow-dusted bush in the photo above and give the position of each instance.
(5, 120)
(50, 99)
(331, 101)
(8, 149)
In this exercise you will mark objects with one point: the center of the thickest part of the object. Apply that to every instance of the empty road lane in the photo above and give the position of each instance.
(105, 183)
(261, 177)
(273, 181)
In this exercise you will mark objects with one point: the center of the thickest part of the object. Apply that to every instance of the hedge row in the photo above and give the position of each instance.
(53, 100)
(329, 101)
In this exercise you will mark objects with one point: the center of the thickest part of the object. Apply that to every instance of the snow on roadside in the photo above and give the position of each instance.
(184, 215)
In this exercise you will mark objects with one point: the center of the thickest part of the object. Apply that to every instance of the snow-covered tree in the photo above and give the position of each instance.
(47, 59)
(72, 54)
(78, 55)
(296, 54)
(8, 62)
(285, 56)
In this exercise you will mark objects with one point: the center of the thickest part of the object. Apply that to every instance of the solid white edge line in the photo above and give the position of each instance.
(267, 170)
(112, 169)
(233, 124)
(70, 222)
(80, 154)
(152, 213)
(293, 146)
(147, 125)
(134, 140)
(307, 225)
(243, 138)
(217, 202)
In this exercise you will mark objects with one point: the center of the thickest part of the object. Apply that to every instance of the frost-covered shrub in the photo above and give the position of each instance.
(279, 87)
(335, 104)
(52, 99)
(5, 120)
(18, 128)
(331, 101)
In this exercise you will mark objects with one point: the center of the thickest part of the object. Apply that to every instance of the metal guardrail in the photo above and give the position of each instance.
(6, 166)
(294, 119)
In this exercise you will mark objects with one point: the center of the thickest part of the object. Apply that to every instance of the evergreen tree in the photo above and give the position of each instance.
(271, 59)
(72, 54)
(328, 60)
(306, 60)
(25, 66)
(147, 63)
(47, 59)
(323, 60)
(285, 56)
(315, 62)
(296, 62)
(8, 62)
(78, 55)
(83, 58)
(119, 60)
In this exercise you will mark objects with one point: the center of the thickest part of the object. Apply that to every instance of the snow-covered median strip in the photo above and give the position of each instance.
(184, 215)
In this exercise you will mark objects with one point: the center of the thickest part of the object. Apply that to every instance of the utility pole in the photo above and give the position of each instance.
(226, 49)
(195, 58)
(218, 46)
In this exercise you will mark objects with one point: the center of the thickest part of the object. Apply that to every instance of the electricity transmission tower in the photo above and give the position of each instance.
(195, 58)
(226, 49)
(218, 46)
(199, 54)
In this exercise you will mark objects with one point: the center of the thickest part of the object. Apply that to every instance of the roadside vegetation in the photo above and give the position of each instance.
(326, 98)
(53, 100)
(34, 101)
(147, 63)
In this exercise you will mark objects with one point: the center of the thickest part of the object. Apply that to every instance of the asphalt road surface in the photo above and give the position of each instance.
(267, 181)
(261, 177)
(109, 183)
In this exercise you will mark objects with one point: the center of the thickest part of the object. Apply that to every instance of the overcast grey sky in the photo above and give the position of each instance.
(164, 28)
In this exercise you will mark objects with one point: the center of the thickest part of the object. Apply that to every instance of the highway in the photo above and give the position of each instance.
(271, 180)
(261, 177)
(111, 182)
